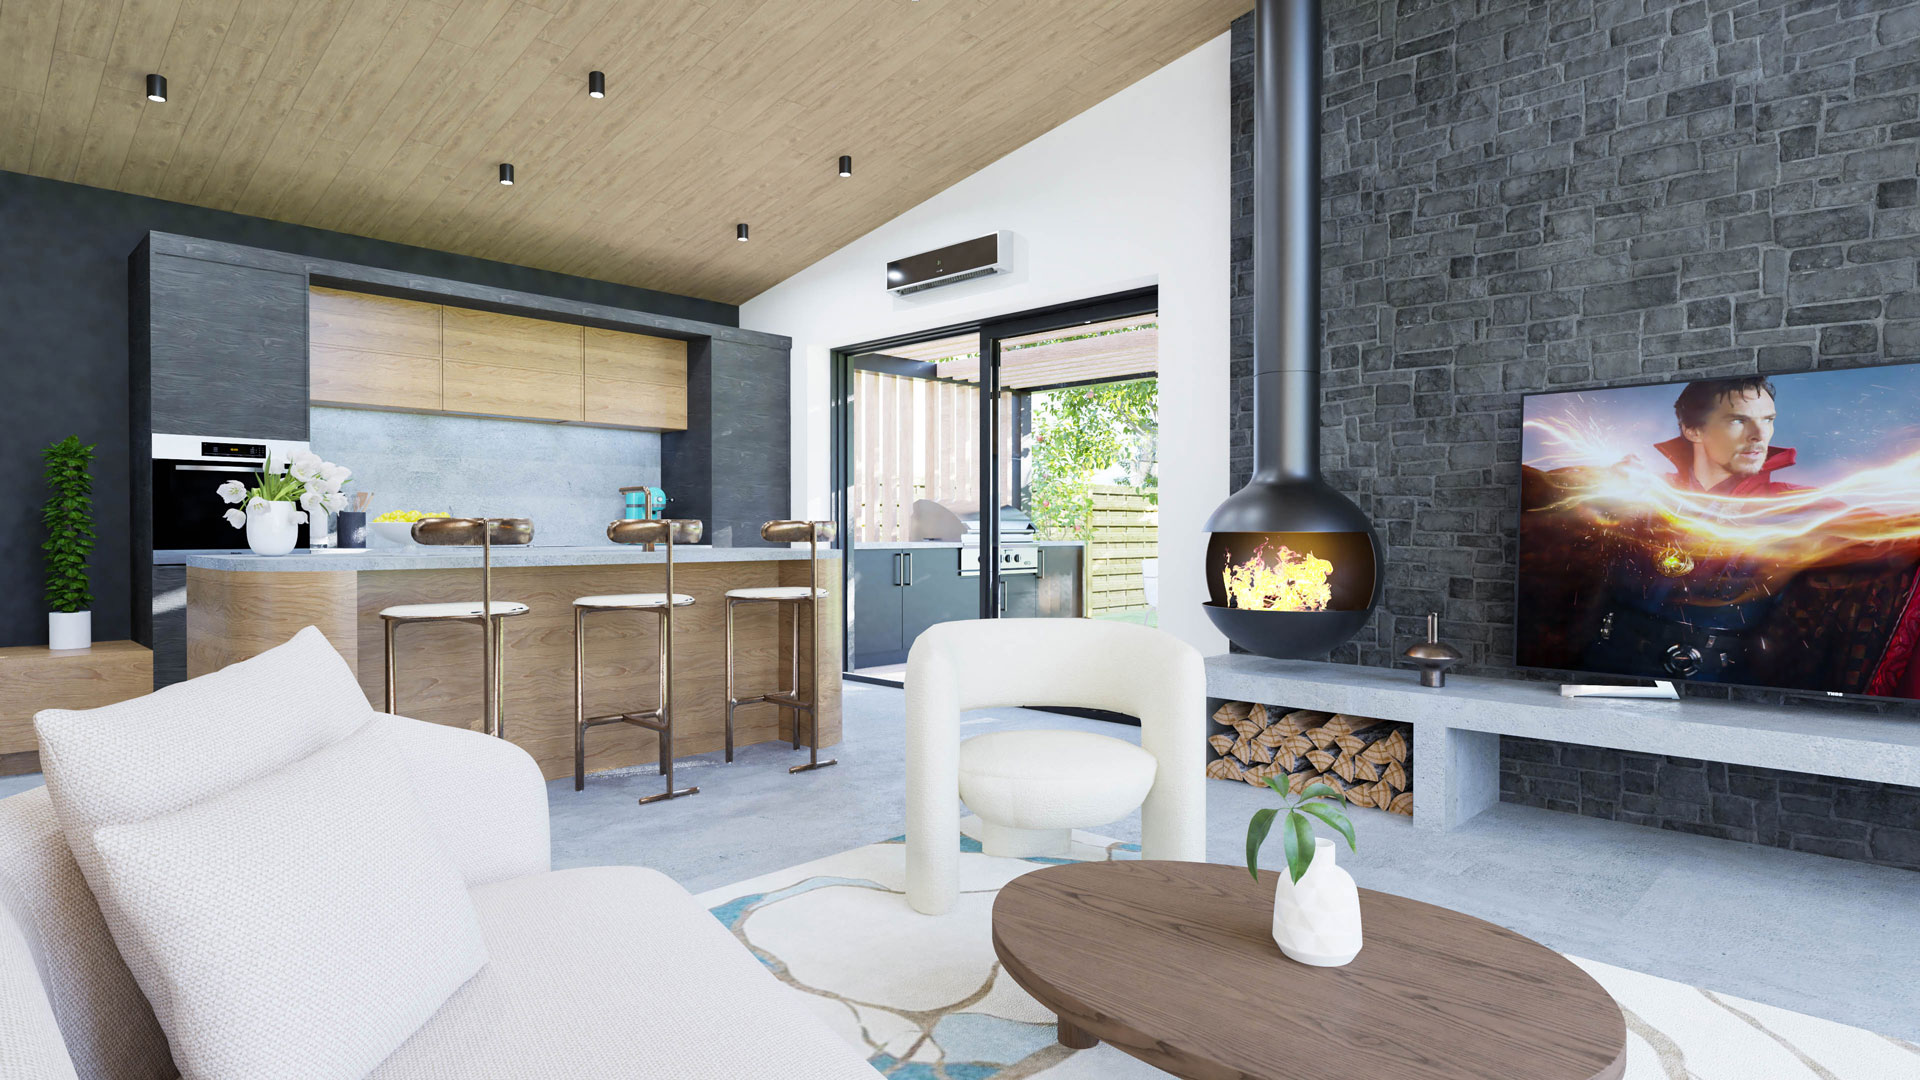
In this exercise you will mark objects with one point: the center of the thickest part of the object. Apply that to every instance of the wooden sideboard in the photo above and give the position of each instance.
(370, 351)
(33, 677)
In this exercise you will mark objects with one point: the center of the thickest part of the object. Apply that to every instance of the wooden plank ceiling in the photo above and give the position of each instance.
(387, 118)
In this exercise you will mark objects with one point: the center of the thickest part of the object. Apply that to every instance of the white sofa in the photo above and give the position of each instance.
(600, 972)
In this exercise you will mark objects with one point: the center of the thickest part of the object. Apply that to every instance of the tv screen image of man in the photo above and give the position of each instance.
(1695, 557)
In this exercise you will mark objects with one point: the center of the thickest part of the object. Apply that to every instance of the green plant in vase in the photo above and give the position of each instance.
(68, 516)
(1316, 906)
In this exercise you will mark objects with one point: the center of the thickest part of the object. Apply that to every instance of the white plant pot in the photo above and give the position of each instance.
(273, 527)
(1316, 920)
(69, 629)
(1150, 581)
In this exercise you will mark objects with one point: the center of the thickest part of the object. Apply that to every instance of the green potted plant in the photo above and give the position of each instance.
(1316, 906)
(68, 516)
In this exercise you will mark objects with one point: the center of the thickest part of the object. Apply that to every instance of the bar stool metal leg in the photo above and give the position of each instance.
(579, 699)
(389, 626)
(793, 677)
(731, 692)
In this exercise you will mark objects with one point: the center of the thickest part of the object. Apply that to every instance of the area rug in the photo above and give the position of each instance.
(925, 999)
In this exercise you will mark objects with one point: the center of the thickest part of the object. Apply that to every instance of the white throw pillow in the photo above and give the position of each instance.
(179, 745)
(302, 925)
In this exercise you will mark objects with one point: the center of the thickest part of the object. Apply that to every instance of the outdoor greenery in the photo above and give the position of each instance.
(1296, 832)
(68, 516)
(1084, 435)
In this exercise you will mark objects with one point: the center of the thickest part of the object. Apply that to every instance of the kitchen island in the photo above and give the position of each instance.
(242, 604)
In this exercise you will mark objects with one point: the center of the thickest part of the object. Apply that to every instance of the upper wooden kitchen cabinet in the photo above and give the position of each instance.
(379, 352)
(373, 351)
(505, 365)
(634, 380)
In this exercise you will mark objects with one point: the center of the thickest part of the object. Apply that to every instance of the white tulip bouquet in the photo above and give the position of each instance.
(306, 480)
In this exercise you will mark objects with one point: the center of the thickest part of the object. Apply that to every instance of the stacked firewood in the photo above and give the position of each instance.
(1369, 761)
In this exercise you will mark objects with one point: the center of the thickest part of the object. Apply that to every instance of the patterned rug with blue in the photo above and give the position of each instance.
(925, 998)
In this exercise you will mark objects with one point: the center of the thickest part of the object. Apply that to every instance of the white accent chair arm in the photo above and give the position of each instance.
(484, 797)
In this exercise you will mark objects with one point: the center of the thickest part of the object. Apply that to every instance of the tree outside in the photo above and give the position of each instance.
(1086, 435)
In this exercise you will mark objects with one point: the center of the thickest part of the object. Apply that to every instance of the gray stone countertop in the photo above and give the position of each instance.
(449, 558)
(917, 545)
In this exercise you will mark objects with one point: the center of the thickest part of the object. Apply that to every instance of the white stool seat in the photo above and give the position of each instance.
(633, 600)
(460, 610)
(774, 592)
(1053, 779)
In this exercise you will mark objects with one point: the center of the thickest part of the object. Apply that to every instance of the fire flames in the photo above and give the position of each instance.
(1614, 487)
(1286, 580)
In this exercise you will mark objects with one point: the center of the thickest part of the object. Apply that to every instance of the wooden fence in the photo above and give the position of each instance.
(916, 439)
(1126, 529)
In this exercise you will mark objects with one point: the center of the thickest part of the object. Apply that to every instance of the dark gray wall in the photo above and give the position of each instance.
(63, 353)
(1849, 819)
(1524, 196)
(1527, 196)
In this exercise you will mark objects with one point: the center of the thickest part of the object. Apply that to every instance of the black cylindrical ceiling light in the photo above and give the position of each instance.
(596, 84)
(846, 164)
(740, 232)
(506, 175)
(156, 88)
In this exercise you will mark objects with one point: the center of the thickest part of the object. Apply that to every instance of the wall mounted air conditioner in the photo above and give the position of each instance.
(964, 261)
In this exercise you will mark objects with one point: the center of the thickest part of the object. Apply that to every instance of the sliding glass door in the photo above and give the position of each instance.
(995, 470)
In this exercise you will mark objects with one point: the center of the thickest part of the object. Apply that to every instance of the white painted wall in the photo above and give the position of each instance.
(1132, 192)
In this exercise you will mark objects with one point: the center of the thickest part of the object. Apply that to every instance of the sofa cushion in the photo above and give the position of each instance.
(181, 744)
(617, 971)
(109, 1031)
(303, 924)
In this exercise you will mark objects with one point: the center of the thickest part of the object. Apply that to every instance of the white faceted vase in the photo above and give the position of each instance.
(1316, 920)
(272, 528)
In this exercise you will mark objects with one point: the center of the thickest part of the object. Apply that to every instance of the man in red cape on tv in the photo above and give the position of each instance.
(1738, 616)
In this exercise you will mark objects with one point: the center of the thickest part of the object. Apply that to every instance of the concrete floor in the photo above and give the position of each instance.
(1823, 936)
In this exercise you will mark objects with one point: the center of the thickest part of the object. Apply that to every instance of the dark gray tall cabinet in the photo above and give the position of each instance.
(215, 348)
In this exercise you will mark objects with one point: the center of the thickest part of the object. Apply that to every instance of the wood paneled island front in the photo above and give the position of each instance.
(241, 605)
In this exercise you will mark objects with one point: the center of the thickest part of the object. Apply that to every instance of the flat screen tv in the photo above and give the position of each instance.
(1750, 531)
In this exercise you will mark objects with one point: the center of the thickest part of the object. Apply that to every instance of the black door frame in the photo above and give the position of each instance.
(990, 332)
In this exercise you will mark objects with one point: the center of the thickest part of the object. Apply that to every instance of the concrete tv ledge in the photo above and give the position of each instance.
(1457, 728)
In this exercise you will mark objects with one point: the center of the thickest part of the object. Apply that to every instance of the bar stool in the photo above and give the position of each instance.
(791, 597)
(659, 718)
(464, 532)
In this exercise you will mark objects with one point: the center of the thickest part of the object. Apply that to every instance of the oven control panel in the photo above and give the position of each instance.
(1014, 559)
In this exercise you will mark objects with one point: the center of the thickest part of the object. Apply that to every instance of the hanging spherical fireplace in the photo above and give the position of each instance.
(1293, 566)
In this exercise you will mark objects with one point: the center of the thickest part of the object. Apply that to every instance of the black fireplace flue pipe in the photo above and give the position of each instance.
(1286, 240)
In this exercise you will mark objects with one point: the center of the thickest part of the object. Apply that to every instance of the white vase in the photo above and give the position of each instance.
(69, 629)
(1316, 920)
(272, 528)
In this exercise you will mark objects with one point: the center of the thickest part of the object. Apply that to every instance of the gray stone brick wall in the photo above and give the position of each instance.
(1523, 196)
(1851, 819)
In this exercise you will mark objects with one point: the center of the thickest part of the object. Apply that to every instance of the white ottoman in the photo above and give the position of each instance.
(1031, 789)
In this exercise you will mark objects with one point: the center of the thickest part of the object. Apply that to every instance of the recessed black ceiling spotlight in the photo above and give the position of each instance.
(846, 164)
(740, 232)
(156, 88)
(506, 175)
(596, 84)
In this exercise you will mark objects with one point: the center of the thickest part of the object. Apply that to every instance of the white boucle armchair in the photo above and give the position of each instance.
(1031, 788)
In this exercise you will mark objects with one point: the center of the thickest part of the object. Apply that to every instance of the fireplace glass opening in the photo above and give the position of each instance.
(1291, 571)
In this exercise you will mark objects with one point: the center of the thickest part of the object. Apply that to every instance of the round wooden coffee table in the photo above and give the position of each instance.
(1175, 964)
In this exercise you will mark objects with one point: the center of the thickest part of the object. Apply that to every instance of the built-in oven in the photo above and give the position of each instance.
(188, 512)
